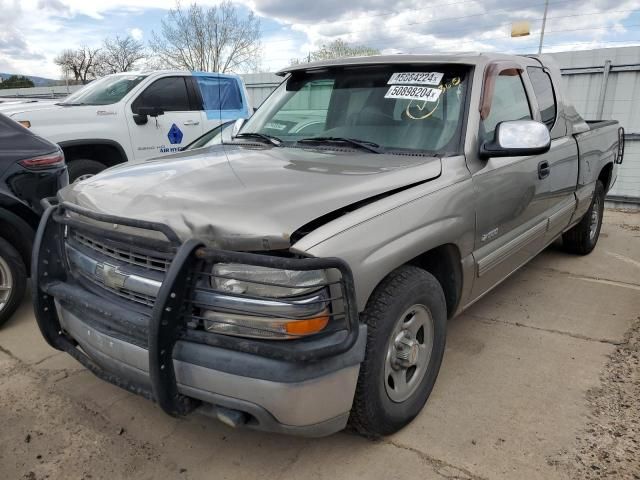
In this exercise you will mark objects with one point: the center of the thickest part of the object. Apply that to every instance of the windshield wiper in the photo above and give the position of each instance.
(269, 138)
(363, 144)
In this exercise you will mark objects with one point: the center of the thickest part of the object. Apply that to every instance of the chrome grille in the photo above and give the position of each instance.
(121, 292)
(124, 292)
(130, 257)
(90, 258)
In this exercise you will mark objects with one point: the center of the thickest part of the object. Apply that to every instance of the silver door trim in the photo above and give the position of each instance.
(556, 219)
(502, 253)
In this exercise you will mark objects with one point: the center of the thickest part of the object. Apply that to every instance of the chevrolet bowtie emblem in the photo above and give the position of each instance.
(111, 277)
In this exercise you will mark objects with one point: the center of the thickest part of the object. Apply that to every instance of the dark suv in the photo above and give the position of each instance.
(31, 168)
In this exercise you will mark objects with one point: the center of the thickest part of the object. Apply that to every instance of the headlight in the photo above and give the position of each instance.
(264, 281)
(262, 327)
(261, 302)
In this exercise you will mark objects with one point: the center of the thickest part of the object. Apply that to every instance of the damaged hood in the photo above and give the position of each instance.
(246, 197)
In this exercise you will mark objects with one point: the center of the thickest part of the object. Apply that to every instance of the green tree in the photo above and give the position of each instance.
(17, 81)
(337, 49)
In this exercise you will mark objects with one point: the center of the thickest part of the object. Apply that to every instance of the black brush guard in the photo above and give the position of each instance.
(167, 324)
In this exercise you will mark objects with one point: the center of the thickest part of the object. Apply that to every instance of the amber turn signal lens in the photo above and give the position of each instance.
(25, 123)
(308, 326)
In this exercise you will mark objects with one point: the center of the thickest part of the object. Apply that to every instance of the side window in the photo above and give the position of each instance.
(543, 88)
(509, 103)
(169, 94)
(220, 93)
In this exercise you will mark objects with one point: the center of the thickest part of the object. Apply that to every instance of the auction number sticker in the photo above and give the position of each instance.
(416, 78)
(409, 92)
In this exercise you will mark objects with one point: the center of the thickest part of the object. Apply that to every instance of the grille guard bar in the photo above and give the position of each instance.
(167, 324)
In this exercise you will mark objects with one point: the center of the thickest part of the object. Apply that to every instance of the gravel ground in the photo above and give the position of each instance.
(610, 446)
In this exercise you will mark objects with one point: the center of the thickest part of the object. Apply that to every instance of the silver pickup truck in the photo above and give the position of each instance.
(299, 276)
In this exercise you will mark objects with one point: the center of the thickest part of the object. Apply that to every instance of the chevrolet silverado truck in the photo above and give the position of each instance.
(297, 283)
(133, 116)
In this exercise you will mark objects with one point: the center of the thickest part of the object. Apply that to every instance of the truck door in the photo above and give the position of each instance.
(510, 195)
(223, 98)
(178, 125)
(562, 157)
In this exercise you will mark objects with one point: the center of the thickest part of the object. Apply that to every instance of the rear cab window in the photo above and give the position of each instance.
(543, 89)
(222, 96)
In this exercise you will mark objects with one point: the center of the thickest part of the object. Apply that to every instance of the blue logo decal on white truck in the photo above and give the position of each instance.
(175, 135)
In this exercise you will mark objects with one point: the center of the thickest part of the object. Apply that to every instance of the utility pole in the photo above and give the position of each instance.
(544, 23)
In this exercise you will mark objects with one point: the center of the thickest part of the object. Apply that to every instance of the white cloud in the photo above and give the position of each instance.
(136, 33)
(32, 32)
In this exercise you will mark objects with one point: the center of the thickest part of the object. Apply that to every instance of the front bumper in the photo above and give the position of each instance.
(295, 387)
(314, 402)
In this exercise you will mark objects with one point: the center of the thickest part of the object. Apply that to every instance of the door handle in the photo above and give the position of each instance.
(191, 122)
(543, 169)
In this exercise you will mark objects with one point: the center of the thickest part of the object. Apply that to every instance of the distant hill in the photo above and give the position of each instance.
(37, 81)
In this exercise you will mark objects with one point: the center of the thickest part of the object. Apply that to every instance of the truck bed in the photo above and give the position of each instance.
(597, 147)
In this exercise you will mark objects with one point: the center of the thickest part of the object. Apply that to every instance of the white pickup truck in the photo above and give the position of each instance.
(133, 116)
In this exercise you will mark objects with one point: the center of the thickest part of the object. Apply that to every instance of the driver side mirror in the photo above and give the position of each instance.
(141, 114)
(517, 138)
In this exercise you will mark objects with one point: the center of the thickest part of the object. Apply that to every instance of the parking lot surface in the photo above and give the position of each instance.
(540, 379)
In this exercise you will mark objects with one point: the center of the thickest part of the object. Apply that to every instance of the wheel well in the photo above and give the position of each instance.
(20, 236)
(443, 262)
(106, 154)
(605, 176)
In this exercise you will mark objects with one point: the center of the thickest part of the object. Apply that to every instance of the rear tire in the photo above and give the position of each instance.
(13, 280)
(83, 168)
(407, 321)
(583, 237)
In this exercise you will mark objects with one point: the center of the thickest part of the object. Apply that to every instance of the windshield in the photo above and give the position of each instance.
(105, 91)
(398, 108)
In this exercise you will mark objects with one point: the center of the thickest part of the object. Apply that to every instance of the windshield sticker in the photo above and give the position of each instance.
(426, 94)
(416, 78)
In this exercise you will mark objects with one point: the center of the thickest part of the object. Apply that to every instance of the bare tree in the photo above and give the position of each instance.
(209, 39)
(119, 55)
(80, 62)
(337, 49)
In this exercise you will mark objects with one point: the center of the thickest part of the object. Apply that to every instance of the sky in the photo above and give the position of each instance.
(33, 32)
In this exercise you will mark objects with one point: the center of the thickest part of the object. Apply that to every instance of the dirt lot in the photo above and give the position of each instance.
(541, 379)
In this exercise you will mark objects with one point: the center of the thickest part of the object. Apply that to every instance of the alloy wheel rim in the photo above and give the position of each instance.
(595, 219)
(408, 353)
(6, 283)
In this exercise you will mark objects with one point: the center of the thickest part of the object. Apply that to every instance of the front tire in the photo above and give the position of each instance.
(407, 320)
(583, 237)
(82, 168)
(13, 280)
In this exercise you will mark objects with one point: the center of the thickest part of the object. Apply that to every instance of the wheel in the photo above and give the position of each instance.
(407, 320)
(82, 168)
(13, 280)
(583, 237)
